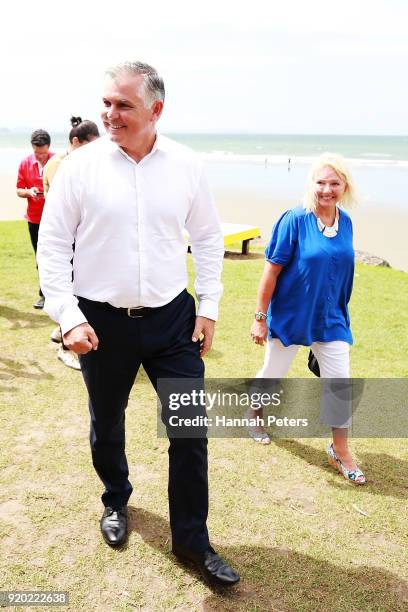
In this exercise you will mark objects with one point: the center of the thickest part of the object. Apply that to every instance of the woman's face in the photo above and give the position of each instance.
(329, 188)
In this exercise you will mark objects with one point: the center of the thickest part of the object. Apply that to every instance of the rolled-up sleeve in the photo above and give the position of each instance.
(22, 177)
(207, 246)
(283, 240)
(60, 219)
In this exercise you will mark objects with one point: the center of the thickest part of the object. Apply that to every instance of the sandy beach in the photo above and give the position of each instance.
(377, 230)
(11, 207)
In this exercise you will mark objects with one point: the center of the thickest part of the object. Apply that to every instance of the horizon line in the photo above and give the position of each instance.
(5, 130)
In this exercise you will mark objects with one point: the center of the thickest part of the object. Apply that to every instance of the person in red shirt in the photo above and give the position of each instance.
(30, 186)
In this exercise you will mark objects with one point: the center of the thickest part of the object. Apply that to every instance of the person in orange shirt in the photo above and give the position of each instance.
(30, 186)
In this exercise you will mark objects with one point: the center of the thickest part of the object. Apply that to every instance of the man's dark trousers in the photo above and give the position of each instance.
(160, 340)
(33, 231)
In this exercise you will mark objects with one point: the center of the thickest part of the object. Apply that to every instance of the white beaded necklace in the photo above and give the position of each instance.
(331, 231)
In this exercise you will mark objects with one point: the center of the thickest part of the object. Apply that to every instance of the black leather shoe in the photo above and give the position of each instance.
(213, 568)
(114, 526)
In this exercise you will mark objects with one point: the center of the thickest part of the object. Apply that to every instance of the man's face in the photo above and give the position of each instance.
(128, 120)
(41, 153)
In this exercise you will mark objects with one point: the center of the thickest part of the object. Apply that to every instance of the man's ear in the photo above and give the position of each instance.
(157, 108)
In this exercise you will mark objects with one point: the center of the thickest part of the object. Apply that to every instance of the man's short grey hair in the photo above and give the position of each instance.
(153, 83)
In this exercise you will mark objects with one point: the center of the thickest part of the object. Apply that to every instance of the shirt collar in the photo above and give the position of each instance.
(159, 144)
(39, 166)
(35, 161)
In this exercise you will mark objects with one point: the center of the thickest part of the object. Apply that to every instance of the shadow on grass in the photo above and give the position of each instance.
(11, 369)
(282, 579)
(386, 475)
(239, 256)
(215, 355)
(20, 319)
(8, 389)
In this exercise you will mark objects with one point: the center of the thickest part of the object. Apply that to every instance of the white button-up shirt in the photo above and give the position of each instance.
(127, 220)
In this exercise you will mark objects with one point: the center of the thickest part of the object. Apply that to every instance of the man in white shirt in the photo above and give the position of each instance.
(125, 201)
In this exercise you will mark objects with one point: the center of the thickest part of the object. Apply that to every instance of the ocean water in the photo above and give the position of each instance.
(283, 146)
(385, 149)
(274, 166)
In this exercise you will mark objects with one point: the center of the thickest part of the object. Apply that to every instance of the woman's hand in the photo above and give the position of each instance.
(259, 329)
(259, 332)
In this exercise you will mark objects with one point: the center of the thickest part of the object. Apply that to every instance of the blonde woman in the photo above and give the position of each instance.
(304, 291)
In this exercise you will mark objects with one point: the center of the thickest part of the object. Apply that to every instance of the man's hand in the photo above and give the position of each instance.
(32, 192)
(81, 339)
(203, 327)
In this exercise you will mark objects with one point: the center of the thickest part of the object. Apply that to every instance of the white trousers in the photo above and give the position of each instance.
(334, 362)
(333, 358)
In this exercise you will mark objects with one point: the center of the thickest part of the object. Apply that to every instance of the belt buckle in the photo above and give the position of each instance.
(130, 312)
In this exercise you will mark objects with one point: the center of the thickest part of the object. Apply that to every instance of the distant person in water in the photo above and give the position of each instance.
(30, 187)
(82, 133)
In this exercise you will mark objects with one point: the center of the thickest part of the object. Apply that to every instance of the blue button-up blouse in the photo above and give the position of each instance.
(312, 292)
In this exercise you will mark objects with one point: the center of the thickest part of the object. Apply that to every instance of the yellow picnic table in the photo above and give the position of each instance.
(237, 232)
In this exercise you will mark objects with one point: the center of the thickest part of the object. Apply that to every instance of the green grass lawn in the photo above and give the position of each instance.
(301, 536)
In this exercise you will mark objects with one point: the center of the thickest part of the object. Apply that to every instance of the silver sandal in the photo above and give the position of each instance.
(258, 436)
(355, 476)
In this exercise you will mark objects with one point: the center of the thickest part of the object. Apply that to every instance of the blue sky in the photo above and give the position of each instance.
(261, 66)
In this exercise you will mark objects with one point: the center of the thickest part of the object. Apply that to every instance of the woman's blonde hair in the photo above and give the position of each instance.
(338, 164)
